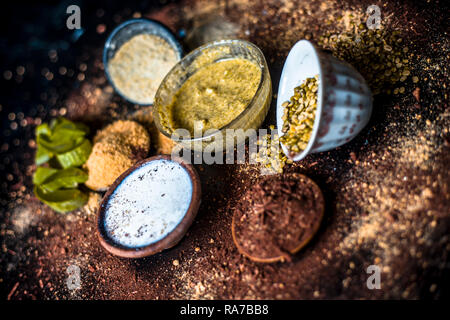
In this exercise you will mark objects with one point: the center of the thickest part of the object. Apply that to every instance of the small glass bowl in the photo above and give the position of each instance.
(250, 118)
(124, 32)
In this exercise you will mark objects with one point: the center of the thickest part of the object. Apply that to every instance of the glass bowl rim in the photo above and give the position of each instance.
(244, 112)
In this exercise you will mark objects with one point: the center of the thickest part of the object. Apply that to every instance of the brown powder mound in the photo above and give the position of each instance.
(160, 143)
(133, 133)
(277, 217)
(116, 148)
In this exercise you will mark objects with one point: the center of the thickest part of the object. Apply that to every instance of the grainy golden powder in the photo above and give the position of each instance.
(380, 55)
(140, 65)
(270, 155)
(215, 95)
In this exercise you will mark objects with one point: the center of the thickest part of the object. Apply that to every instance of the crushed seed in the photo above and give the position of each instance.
(378, 54)
(299, 115)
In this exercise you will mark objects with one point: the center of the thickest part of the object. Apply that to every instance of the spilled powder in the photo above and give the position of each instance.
(148, 204)
(398, 204)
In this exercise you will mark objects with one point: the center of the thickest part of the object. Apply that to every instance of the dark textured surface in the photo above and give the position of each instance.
(387, 191)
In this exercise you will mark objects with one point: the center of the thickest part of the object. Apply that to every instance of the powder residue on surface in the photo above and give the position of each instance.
(148, 204)
(139, 66)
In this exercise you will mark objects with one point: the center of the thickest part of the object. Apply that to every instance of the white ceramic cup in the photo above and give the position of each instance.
(344, 103)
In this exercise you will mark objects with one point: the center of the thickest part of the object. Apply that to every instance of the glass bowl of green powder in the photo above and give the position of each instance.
(137, 56)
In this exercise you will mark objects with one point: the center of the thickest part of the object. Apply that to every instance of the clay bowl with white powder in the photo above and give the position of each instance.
(149, 208)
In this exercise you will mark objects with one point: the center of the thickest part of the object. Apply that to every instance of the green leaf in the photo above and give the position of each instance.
(67, 134)
(59, 143)
(42, 174)
(83, 127)
(61, 135)
(77, 156)
(63, 200)
(66, 178)
(63, 123)
(43, 155)
(43, 129)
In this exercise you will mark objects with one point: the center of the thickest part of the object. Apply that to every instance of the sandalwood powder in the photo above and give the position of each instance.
(140, 65)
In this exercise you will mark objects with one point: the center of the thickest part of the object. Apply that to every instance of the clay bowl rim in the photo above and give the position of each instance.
(301, 245)
(169, 240)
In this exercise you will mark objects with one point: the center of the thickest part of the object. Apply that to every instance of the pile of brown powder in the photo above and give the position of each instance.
(116, 148)
(277, 217)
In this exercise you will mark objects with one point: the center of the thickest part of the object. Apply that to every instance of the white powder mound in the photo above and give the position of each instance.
(148, 204)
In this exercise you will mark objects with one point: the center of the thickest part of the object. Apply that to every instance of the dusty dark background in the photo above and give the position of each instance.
(387, 191)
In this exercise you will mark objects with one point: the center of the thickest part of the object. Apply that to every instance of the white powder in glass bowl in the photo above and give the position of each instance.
(139, 66)
(148, 204)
